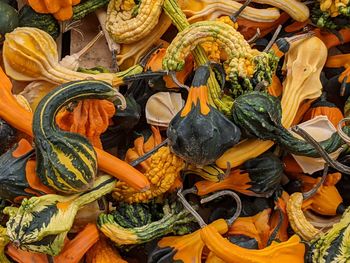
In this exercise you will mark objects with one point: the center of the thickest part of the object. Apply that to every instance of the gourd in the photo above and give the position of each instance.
(46, 22)
(128, 22)
(199, 133)
(133, 215)
(323, 107)
(208, 10)
(257, 177)
(210, 173)
(259, 114)
(21, 119)
(86, 7)
(66, 161)
(303, 65)
(332, 246)
(244, 69)
(41, 224)
(175, 219)
(297, 10)
(89, 118)
(17, 178)
(31, 54)
(8, 19)
(164, 167)
(103, 252)
(61, 10)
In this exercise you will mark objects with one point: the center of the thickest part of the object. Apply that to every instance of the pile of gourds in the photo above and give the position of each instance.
(220, 134)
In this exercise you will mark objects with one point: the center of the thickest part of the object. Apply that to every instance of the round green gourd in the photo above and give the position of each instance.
(66, 161)
(8, 20)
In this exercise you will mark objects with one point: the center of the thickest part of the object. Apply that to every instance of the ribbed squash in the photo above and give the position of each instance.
(66, 161)
(41, 224)
(199, 133)
(259, 114)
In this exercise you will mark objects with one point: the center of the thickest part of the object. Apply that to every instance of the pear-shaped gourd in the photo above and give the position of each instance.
(199, 133)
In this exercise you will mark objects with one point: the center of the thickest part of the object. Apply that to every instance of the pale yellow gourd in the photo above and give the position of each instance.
(30, 54)
(303, 64)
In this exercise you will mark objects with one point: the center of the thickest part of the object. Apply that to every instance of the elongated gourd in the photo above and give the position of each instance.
(197, 10)
(13, 113)
(296, 9)
(31, 54)
(303, 65)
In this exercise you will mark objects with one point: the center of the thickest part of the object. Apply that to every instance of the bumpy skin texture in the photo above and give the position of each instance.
(297, 219)
(332, 247)
(164, 168)
(128, 23)
(244, 67)
(335, 7)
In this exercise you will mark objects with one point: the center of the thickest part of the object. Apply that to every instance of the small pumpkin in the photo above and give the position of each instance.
(61, 9)
(323, 107)
(199, 133)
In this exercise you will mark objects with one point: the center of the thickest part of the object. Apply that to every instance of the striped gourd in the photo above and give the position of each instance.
(66, 161)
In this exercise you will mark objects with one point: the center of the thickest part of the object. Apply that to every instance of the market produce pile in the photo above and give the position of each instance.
(218, 134)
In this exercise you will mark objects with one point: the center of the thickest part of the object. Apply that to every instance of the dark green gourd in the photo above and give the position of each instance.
(199, 133)
(66, 161)
(260, 114)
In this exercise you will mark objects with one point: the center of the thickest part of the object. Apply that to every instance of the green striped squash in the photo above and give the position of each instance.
(66, 161)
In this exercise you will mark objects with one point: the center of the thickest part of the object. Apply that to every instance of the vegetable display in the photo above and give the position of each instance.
(179, 131)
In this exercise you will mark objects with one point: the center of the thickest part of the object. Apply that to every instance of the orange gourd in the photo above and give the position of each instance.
(90, 118)
(61, 9)
(103, 252)
(323, 107)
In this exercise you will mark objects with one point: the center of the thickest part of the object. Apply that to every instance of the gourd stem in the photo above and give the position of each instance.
(177, 82)
(239, 11)
(273, 39)
(314, 190)
(230, 193)
(89, 45)
(148, 154)
(149, 53)
(255, 37)
(333, 163)
(190, 209)
(343, 86)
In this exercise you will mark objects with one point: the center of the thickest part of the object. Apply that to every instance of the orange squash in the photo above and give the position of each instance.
(61, 9)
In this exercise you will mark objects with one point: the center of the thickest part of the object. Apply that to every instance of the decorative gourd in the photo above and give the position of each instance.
(323, 107)
(133, 215)
(31, 54)
(175, 219)
(41, 224)
(164, 168)
(333, 246)
(210, 173)
(66, 161)
(17, 179)
(200, 133)
(18, 117)
(8, 19)
(86, 7)
(89, 118)
(72, 252)
(303, 65)
(257, 177)
(61, 9)
(244, 70)
(259, 114)
(130, 23)
(103, 252)
(46, 22)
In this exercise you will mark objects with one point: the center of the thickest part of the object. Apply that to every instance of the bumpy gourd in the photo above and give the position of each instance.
(66, 161)
(41, 224)
(61, 9)
(245, 66)
(164, 168)
(128, 22)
